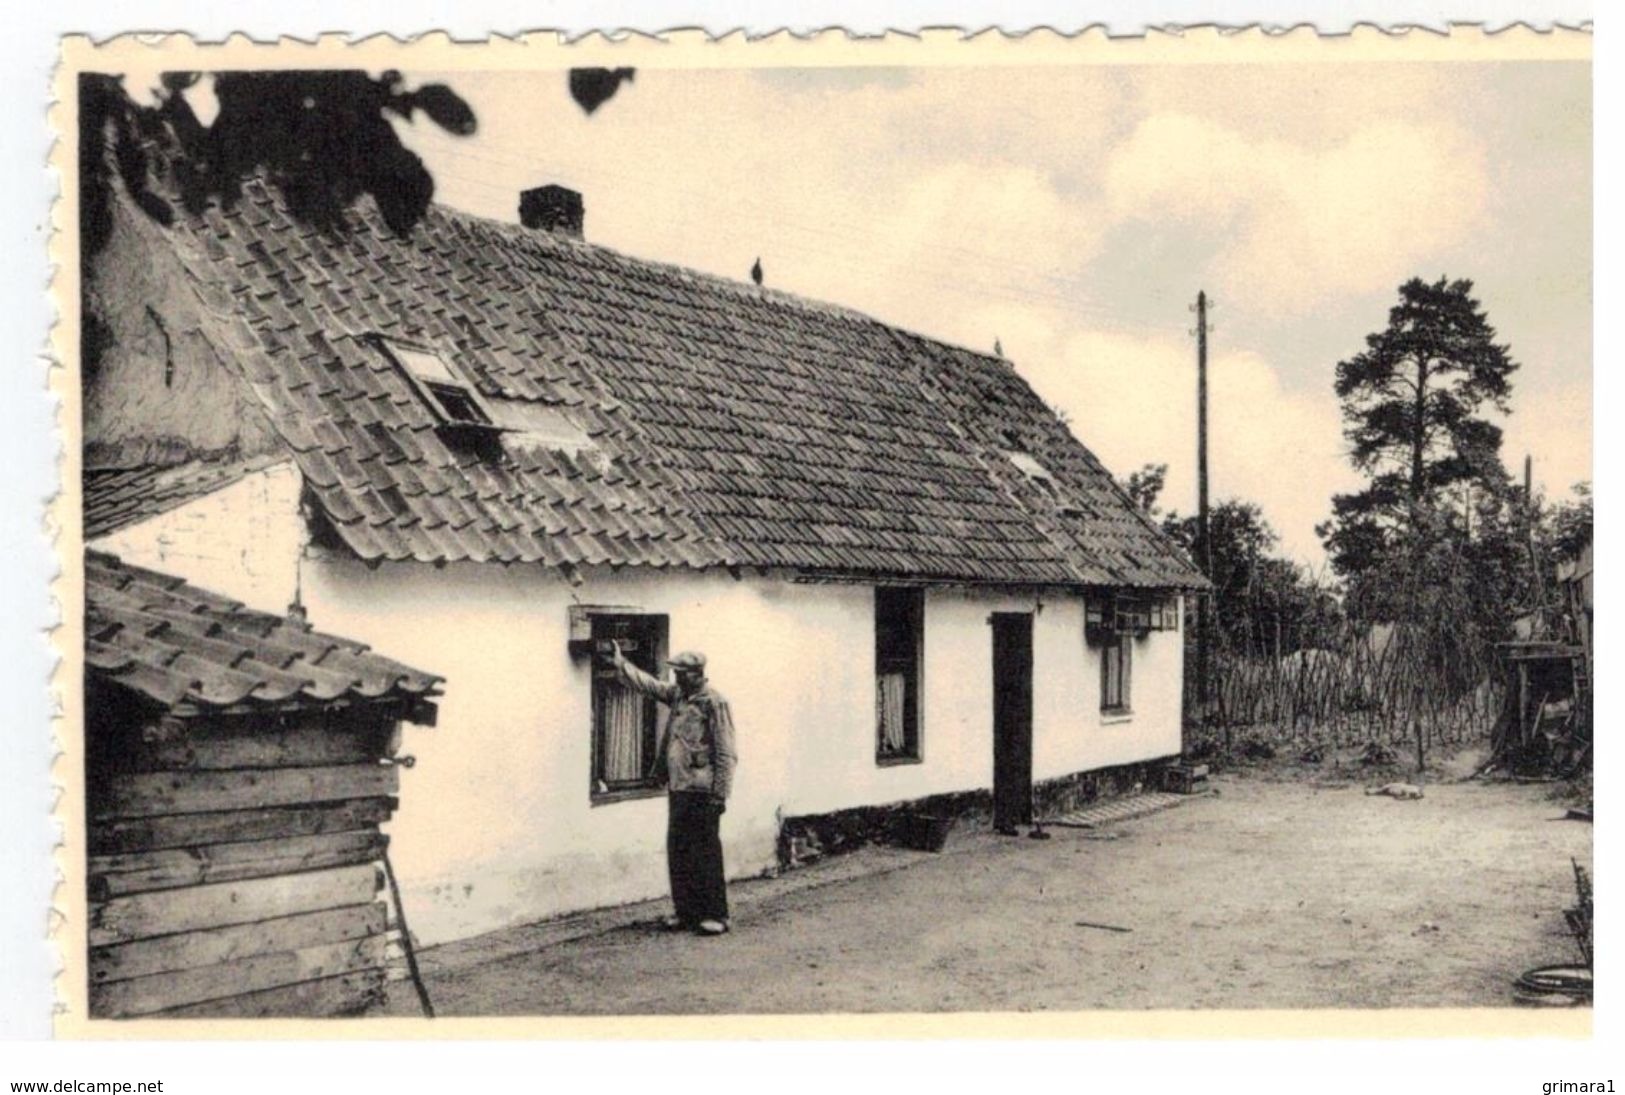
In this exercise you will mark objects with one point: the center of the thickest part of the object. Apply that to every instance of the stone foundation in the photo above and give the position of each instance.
(812, 837)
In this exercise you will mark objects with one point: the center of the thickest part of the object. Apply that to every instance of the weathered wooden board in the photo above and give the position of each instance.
(162, 912)
(211, 946)
(109, 837)
(348, 994)
(150, 794)
(298, 747)
(159, 991)
(139, 872)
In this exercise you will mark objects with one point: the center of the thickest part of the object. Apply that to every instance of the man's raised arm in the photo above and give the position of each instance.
(639, 681)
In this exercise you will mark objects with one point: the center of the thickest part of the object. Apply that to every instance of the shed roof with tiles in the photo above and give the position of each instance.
(181, 646)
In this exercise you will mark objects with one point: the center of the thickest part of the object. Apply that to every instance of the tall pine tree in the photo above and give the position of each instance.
(1412, 410)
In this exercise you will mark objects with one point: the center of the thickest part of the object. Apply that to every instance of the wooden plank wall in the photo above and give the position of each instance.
(235, 866)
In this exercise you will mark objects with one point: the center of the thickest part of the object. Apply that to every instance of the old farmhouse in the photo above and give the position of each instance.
(488, 448)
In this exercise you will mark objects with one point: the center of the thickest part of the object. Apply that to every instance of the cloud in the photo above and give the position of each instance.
(1300, 224)
(1554, 427)
(1002, 211)
(1073, 212)
(829, 182)
(1132, 399)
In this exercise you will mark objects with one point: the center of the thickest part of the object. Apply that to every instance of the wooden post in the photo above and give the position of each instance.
(1531, 520)
(1204, 548)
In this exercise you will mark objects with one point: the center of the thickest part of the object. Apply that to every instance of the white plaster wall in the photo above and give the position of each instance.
(243, 541)
(1070, 732)
(160, 388)
(496, 824)
(956, 710)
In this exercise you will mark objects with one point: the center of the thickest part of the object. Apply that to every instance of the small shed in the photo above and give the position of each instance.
(238, 768)
(1545, 725)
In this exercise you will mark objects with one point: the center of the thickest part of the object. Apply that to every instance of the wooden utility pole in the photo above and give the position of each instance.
(1530, 520)
(1204, 548)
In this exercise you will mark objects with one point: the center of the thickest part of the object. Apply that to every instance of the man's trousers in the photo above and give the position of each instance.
(694, 857)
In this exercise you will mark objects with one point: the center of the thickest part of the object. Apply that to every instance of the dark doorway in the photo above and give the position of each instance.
(1012, 719)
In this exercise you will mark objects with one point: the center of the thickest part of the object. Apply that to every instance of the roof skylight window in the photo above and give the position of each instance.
(1038, 474)
(449, 397)
(1031, 468)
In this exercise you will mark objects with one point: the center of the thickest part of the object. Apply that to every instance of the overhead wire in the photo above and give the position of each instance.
(867, 269)
(1065, 291)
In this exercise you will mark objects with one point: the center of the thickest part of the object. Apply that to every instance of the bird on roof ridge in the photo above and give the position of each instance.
(756, 270)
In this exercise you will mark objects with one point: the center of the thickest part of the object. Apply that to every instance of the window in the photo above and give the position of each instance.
(625, 724)
(450, 398)
(1126, 613)
(1029, 466)
(536, 425)
(1116, 670)
(899, 641)
(1044, 479)
(1133, 616)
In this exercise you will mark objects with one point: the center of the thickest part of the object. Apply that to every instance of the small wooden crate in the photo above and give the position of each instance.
(1184, 779)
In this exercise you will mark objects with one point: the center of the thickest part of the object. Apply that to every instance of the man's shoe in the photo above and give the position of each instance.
(713, 927)
(673, 923)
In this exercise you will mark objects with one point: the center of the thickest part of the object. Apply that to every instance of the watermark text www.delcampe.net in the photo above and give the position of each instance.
(91, 1087)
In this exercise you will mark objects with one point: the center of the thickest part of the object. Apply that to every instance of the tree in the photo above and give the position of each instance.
(323, 138)
(591, 88)
(1568, 523)
(1412, 403)
(1260, 598)
(1144, 487)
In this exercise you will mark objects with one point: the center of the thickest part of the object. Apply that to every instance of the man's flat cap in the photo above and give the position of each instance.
(688, 659)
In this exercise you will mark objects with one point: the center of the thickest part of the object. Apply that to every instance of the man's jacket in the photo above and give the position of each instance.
(697, 751)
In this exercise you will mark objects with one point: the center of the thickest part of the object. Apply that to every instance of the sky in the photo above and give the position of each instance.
(1072, 213)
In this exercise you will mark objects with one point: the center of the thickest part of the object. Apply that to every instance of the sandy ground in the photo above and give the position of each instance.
(1280, 894)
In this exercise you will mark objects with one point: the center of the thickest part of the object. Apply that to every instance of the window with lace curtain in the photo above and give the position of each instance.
(624, 724)
(899, 642)
(1116, 671)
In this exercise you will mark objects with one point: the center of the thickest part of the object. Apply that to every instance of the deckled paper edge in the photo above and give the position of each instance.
(685, 48)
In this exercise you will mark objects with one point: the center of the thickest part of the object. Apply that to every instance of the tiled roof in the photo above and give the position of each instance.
(177, 644)
(730, 425)
(116, 498)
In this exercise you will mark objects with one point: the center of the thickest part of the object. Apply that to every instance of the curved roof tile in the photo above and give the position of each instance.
(175, 643)
(705, 398)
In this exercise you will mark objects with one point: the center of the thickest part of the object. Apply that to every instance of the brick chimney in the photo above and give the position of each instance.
(556, 209)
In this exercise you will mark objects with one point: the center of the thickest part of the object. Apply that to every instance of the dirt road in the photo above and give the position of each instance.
(1269, 894)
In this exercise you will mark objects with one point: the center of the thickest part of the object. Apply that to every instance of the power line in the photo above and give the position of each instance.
(956, 280)
(741, 205)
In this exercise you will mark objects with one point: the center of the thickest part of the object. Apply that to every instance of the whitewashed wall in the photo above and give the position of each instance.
(243, 541)
(496, 823)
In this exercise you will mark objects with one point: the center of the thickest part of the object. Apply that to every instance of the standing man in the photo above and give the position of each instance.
(696, 758)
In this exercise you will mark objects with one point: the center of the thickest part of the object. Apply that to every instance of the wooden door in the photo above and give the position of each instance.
(1012, 719)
